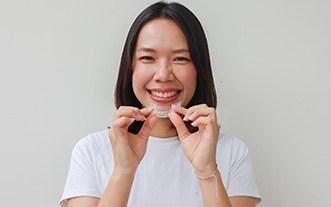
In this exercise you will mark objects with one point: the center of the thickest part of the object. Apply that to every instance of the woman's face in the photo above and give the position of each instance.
(163, 72)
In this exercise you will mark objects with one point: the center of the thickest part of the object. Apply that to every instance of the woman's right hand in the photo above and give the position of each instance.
(129, 149)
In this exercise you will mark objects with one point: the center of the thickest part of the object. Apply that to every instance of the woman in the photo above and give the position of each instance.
(179, 158)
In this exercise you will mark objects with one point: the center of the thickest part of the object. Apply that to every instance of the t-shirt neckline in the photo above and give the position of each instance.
(168, 140)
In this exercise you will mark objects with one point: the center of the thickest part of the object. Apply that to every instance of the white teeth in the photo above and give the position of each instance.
(164, 95)
(164, 114)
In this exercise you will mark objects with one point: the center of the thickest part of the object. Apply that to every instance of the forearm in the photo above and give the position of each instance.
(213, 192)
(117, 191)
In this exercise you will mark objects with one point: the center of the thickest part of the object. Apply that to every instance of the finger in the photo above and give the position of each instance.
(129, 111)
(120, 124)
(192, 109)
(147, 127)
(206, 111)
(179, 125)
(179, 110)
(146, 111)
(201, 121)
(207, 123)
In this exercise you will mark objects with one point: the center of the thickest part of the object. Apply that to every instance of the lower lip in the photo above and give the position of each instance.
(164, 100)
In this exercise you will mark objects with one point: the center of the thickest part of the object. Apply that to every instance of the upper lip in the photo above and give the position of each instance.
(164, 90)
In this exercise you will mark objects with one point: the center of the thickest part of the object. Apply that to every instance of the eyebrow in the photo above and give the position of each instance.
(146, 49)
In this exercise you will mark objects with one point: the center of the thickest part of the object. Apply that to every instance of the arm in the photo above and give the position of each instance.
(117, 191)
(128, 151)
(243, 201)
(116, 194)
(212, 189)
(200, 149)
(83, 201)
(236, 201)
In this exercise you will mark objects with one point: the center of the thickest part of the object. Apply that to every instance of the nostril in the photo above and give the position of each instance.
(164, 74)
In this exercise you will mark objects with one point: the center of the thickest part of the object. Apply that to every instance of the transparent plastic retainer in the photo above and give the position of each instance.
(164, 111)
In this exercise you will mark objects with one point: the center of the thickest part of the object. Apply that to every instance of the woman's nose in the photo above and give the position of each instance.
(164, 73)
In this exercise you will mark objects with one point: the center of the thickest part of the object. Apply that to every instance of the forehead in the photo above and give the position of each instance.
(160, 32)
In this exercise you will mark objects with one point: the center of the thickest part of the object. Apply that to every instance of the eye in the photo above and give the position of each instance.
(182, 60)
(146, 58)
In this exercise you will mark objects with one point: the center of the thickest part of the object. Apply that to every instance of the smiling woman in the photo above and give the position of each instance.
(179, 159)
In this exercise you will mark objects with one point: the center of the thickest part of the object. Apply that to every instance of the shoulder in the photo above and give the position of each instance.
(92, 143)
(236, 167)
(231, 150)
(232, 143)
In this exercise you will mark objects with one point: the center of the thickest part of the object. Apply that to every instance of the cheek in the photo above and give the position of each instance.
(140, 77)
(187, 76)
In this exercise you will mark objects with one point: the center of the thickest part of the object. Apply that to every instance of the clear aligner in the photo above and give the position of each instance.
(164, 114)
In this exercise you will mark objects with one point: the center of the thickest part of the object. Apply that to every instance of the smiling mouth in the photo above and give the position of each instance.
(159, 94)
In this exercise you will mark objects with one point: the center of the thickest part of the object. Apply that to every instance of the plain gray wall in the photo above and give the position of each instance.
(271, 62)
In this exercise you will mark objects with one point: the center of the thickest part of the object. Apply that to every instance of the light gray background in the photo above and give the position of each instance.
(271, 61)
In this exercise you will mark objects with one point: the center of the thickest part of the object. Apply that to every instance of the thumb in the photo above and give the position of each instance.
(147, 127)
(179, 125)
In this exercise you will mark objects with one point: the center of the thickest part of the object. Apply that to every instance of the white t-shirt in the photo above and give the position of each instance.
(164, 177)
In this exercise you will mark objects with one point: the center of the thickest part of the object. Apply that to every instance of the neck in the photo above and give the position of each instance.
(163, 129)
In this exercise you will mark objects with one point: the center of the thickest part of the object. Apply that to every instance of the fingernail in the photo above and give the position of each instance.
(141, 117)
(174, 106)
(191, 116)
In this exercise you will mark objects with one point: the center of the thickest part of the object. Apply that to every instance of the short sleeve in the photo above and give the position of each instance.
(81, 179)
(241, 180)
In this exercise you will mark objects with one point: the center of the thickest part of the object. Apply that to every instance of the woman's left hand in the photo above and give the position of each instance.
(200, 146)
